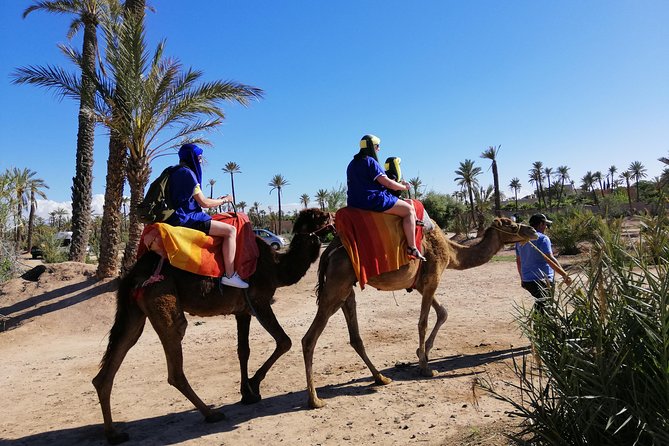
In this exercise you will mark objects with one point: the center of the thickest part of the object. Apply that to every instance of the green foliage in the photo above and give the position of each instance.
(443, 209)
(8, 260)
(573, 227)
(603, 345)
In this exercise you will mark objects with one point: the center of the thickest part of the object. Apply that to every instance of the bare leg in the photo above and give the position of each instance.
(229, 245)
(408, 213)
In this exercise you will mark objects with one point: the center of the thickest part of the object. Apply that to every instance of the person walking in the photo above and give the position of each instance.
(537, 265)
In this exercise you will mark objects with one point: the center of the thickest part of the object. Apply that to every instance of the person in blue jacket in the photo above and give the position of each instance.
(188, 200)
(368, 188)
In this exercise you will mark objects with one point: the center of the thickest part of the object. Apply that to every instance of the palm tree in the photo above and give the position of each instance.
(588, 183)
(466, 177)
(87, 14)
(638, 171)
(548, 172)
(627, 175)
(612, 173)
(211, 187)
(416, 184)
(19, 179)
(232, 168)
(35, 186)
(60, 214)
(278, 182)
(242, 205)
(597, 178)
(515, 186)
(304, 199)
(491, 154)
(322, 198)
(537, 177)
(562, 176)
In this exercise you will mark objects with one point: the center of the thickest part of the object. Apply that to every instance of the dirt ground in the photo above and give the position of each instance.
(56, 332)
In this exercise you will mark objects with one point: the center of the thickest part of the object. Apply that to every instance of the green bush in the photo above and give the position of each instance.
(603, 350)
(572, 228)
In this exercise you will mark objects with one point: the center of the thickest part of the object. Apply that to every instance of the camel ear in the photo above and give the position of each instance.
(497, 223)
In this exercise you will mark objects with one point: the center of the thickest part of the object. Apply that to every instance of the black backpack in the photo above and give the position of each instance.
(157, 206)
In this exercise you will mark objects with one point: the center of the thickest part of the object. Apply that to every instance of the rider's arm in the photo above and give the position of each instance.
(383, 180)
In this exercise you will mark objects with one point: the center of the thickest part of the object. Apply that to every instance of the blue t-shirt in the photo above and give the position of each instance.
(187, 212)
(532, 264)
(364, 192)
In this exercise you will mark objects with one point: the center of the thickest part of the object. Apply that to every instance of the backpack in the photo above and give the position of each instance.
(156, 206)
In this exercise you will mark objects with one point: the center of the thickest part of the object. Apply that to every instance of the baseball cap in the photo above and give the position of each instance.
(538, 218)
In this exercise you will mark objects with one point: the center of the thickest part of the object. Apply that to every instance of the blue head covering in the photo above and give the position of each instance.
(188, 154)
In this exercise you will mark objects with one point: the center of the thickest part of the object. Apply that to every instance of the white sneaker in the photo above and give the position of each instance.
(235, 281)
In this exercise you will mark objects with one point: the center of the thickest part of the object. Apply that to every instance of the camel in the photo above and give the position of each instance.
(165, 302)
(336, 281)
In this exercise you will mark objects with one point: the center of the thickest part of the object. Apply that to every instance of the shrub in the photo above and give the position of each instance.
(603, 346)
(572, 228)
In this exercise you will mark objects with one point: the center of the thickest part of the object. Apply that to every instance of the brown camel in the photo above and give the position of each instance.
(336, 279)
(165, 302)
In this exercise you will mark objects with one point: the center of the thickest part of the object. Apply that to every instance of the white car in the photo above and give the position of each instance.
(275, 241)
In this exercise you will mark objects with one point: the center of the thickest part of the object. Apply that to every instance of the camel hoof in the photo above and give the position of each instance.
(250, 393)
(382, 380)
(316, 403)
(117, 437)
(428, 373)
(249, 398)
(214, 417)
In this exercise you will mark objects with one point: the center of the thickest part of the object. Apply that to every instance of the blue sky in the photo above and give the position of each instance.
(582, 84)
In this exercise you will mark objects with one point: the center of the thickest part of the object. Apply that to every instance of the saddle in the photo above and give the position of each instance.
(375, 241)
(194, 251)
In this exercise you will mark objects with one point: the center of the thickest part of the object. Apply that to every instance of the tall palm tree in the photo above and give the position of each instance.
(537, 177)
(60, 215)
(515, 186)
(304, 199)
(491, 154)
(548, 172)
(597, 178)
(638, 171)
(86, 14)
(627, 175)
(562, 175)
(242, 205)
(35, 187)
(322, 198)
(278, 182)
(19, 179)
(232, 168)
(416, 184)
(211, 187)
(612, 172)
(466, 177)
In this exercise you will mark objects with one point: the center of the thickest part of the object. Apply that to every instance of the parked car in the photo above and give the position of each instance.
(65, 238)
(275, 241)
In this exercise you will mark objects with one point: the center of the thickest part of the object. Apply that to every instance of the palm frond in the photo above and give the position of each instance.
(63, 84)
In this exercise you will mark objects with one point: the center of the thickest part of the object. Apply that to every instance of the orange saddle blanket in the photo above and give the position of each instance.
(199, 253)
(375, 242)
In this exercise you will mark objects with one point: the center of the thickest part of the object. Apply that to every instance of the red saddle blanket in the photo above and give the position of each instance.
(375, 241)
(199, 253)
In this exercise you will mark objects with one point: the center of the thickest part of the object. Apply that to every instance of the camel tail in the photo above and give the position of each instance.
(126, 305)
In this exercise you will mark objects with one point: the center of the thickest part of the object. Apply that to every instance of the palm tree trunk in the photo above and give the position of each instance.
(82, 183)
(471, 204)
(495, 176)
(110, 232)
(138, 177)
(31, 221)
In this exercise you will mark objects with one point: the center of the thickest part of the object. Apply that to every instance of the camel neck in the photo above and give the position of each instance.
(466, 257)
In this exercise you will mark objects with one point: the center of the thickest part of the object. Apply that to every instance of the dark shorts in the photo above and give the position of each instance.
(203, 226)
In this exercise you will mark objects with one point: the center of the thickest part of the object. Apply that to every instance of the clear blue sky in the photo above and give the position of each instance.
(582, 84)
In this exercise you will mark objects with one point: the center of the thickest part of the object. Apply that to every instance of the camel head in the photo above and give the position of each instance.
(313, 221)
(512, 232)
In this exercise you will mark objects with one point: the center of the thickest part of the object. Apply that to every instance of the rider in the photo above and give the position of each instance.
(188, 199)
(368, 187)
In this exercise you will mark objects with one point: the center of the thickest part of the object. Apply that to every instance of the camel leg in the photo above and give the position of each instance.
(309, 340)
(170, 324)
(442, 315)
(124, 334)
(267, 319)
(351, 315)
(243, 353)
(425, 306)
